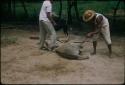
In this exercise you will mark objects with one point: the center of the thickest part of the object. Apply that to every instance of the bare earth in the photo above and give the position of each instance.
(24, 63)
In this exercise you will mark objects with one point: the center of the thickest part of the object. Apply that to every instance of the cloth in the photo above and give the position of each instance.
(47, 30)
(46, 7)
(105, 30)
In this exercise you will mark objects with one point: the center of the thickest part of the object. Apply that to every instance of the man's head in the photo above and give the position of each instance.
(89, 15)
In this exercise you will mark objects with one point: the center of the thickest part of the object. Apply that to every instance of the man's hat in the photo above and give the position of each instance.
(88, 15)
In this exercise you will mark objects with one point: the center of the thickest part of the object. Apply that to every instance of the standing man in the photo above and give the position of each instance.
(46, 23)
(101, 26)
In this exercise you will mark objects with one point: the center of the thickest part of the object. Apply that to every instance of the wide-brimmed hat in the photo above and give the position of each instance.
(88, 15)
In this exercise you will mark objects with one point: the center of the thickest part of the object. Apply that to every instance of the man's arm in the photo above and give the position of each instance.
(97, 26)
(95, 31)
(48, 12)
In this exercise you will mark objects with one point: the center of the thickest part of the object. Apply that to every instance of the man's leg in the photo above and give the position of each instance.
(94, 47)
(52, 35)
(110, 50)
(42, 34)
(95, 37)
(106, 35)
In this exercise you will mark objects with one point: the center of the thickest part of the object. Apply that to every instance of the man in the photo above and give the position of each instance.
(46, 23)
(101, 26)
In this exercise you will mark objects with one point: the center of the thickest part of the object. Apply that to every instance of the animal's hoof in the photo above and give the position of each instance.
(54, 47)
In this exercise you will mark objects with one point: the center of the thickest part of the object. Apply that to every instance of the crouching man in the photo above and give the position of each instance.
(46, 23)
(101, 26)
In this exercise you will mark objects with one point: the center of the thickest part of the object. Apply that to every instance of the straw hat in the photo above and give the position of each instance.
(88, 15)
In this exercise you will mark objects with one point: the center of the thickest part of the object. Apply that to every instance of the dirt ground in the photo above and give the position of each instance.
(24, 63)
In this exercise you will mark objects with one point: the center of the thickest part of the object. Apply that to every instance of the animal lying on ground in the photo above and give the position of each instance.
(70, 51)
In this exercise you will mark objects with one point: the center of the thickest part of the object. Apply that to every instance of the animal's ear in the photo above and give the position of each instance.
(99, 19)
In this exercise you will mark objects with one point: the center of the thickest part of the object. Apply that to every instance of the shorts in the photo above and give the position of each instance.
(105, 31)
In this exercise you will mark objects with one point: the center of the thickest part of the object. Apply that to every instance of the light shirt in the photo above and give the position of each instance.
(46, 7)
(104, 21)
(105, 30)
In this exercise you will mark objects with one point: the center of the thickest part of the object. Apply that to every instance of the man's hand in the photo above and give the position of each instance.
(54, 23)
(89, 34)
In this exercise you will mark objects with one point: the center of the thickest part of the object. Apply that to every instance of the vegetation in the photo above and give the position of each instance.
(33, 8)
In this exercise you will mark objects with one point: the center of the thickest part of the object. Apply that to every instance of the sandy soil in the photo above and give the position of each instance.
(24, 63)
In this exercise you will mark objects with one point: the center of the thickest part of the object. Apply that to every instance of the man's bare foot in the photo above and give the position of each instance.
(81, 46)
(110, 55)
(93, 53)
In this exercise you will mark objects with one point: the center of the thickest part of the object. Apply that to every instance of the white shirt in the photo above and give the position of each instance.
(46, 7)
(104, 21)
(105, 30)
